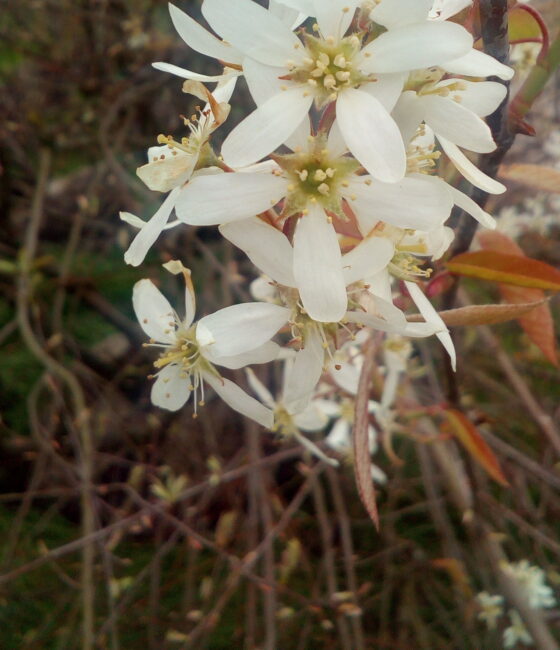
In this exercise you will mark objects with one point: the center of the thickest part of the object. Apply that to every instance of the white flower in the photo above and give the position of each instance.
(171, 165)
(532, 578)
(232, 337)
(286, 75)
(517, 632)
(491, 608)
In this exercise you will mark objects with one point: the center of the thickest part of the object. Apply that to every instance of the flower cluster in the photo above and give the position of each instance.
(333, 186)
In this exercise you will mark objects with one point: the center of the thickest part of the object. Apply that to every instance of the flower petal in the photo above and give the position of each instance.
(148, 234)
(472, 208)
(171, 388)
(412, 47)
(267, 247)
(339, 437)
(469, 170)
(311, 418)
(239, 401)
(397, 13)
(267, 127)
(171, 169)
(241, 328)
(253, 30)
(387, 88)
(265, 353)
(263, 80)
(221, 198)
(200, 39)
(371, 135)
(478, 64)
(317, 267)
(153, 311)
(184, 73)
(408, 114)
(482, 97)
(334, 17)
(260, 389)
(370, 256)
(304, 374)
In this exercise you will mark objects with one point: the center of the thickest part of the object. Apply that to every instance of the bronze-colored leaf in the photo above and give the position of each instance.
(537, 177)
(482, 314)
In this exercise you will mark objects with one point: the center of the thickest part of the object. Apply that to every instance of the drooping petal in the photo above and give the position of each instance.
(148, 234)
(387, 88)
(200, 39)
(412, 47)
(431, 316)
(315, 451)
(263, 354)
(370, 256)
(317, 267)
(304, 373)
(239, 401)
(221, 198)
(472, 208)
(267, 127)
(184, 73)
(482, 97)
(260, 389)
(253, 30)
(397, 13)
(418, 202)
(334, 17)
(171, 388)
(267, 247)
(153, 311)
(457, 124)
(469, 170)
(371, 135)
(240, 328)
(478, 64)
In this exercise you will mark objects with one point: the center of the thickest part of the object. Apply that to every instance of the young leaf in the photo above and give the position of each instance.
(511, 269)
(537, 177)
(483, 314)
(522, 26)
(467, 434)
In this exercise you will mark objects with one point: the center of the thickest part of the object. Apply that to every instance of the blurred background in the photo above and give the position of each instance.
(178, 503)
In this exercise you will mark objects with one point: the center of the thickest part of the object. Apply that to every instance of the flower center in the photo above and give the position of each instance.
(186, 353)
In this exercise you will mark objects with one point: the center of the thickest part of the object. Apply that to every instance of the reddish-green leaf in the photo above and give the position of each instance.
(467, 434)
(522, 26)
(537, 177)
(510, 269)
(483, 314)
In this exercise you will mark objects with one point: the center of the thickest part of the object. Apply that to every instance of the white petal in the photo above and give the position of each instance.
(378, 475)
(335, 143)
(317, 267)
(241, 328)
(311, 419)
(312, 447)
(327, 407)
(239, 401)
(419, 202)
(371, 135)
(412, 47)
(200, 39)
(221, 198)
(184, 73)
(267, 247)
(469, 170)
(299, 140)
(396, 13)
(291, 17)
(408, 114)
(305, 6)
(472, 208)
(253, 30)
(304, 374)
(334, 17)
(148, 234)
(263, 80)
(153, 311)
(431, 316)
(482, 97)
(264, 354)
(370, 256)
(267, 127)
(170, 170)
(339, 437)
(443, 9)
(457, 124)
(387, 88)
(132, 220)
(171, 388)
(478, 64)
(380, 285)
(260, 389)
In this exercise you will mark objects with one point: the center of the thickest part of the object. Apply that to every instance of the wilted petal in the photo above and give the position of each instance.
(370, 256)
(153, 311)
(239, 401)
(371, 135)
(267, 247)
(317, 267)
(171, 388)
(221, 198)
(241, 328)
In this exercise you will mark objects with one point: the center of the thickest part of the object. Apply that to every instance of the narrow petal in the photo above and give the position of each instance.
(478, 64)
(416, 46)
(260, 389)
(457, 124)
(482, 97)
(305, 6)
(420, 202)
(241, 328)
(317, 267)
(443, 9)
(239, 401)
(171, 388)
(253, 30)
(397, 13)
(267, 247)
(221, 198)
(370, 256)
(315, 451)
(148, 234)
(387, 88)
(339, 437)
(184, 73)
(200, 39)
(267, 127)
(311, 418)
(430, 314)
(335, 144)
(371, 135)
(469, 170)
(334, 17)
(153, 311)
(472, 208)
(304, 374)
(291, 17)
(408, 114)
(266, 353)
(263, 80)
